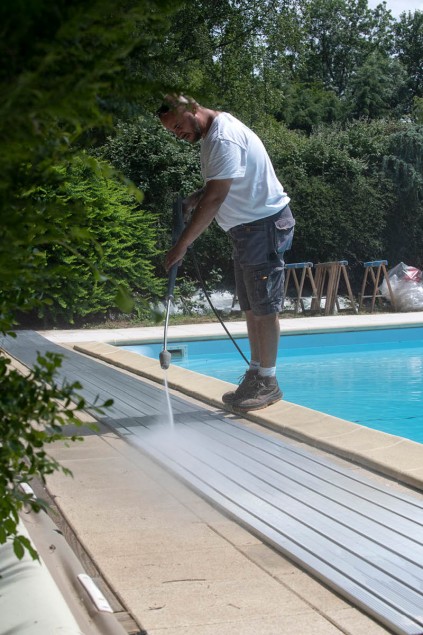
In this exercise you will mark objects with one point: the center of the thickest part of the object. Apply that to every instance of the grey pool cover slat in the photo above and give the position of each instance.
(355, 533)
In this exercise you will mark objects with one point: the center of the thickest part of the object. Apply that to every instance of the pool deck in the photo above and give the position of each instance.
(393, 456)
(176, 564)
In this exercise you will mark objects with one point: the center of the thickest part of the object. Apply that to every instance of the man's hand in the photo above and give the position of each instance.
(175, 255)
(209, 201)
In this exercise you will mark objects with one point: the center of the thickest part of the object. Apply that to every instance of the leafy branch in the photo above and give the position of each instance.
(34, 412)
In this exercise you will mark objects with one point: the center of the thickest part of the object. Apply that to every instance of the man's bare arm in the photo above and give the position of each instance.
(206, 209)
(190, 202)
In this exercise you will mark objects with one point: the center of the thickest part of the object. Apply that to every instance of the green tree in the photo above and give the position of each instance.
(377, 88)
(115, 233)
(409, 48)
(61, 62)
(308, 105)
(417, 110)
(339, 35)
(403, 164)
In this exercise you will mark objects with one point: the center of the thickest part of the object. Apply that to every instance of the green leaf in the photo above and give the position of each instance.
(18, 547)
(124, 300)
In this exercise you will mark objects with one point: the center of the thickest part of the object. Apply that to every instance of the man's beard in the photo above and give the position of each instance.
(197, 132)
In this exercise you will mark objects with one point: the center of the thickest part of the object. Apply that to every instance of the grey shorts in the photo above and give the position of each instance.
(258, 251)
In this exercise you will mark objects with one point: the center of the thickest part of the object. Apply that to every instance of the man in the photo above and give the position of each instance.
(245, 197)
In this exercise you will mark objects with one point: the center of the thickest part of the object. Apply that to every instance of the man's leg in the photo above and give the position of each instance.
(253, 336)
(263, 335)
(249, 378)
(259, 283)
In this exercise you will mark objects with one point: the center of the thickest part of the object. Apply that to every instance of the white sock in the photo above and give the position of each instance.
(267, 372)
(254, 365)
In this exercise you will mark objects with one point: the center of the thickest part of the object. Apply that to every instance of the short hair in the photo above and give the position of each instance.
(164, 108)
(172, 102)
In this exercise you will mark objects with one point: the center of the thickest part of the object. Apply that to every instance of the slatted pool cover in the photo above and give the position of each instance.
(357, 533)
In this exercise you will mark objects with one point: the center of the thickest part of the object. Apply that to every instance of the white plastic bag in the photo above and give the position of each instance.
(407, 287)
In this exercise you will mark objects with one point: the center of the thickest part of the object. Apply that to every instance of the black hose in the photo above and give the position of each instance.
(203, 286)
(178, 226)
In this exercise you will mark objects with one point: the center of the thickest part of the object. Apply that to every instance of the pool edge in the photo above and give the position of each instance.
(396, 457)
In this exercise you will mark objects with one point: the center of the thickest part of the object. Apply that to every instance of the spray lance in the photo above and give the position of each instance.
(177, 228)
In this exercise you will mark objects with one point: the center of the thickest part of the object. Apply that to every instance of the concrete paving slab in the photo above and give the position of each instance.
(349, 622)
(205, 570)
(215, 601)
(151, 541)
(306, 624)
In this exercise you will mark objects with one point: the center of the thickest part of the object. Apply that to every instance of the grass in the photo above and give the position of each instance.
(156, 318)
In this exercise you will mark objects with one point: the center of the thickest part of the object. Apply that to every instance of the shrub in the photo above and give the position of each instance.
(115, 237)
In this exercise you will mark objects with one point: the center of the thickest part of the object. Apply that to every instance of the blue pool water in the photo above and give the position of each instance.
(374, 378)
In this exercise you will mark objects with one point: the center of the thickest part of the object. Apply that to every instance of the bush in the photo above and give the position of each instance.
(115, 237)
(33, 411)
(341, 196)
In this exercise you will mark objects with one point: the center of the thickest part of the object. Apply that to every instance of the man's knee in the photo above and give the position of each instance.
(266, 318)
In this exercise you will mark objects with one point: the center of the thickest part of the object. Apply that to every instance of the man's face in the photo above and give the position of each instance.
(183, 124)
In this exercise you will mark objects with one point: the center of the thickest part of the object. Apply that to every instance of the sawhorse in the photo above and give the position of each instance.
(329, 274)
(380, 266)
(306, 270)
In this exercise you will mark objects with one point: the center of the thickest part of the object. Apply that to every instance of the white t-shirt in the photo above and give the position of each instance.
(230, 150)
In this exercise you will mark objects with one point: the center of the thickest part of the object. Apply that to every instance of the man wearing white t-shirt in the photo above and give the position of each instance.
(245, 197)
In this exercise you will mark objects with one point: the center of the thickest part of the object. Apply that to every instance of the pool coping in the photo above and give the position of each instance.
(390, 455)
(213, 330)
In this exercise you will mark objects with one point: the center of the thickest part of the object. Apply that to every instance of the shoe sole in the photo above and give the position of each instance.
(258, 407)
(227, 402)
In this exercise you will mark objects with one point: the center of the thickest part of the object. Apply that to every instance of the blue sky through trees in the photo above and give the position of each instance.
(398, 6)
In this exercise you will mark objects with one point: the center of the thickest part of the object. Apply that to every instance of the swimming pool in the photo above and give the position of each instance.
(370, 377)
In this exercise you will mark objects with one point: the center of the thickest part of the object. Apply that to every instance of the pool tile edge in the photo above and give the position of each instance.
(390, 455)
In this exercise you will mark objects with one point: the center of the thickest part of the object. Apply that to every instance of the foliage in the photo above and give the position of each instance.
(349, 188)
(339, 35)
(59, 59)
(403, 163)
(304, 61)
(62, 63)
(341, 208)
(154, 161)
(308, 105)
(113, 232)
(33, 412)
(378, 88)
(409, 48)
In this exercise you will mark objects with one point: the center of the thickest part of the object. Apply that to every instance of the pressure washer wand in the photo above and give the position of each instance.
(165, 356)
(178, 226)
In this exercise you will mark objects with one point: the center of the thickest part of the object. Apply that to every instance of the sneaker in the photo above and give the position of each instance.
(243, 390)
(265, 392)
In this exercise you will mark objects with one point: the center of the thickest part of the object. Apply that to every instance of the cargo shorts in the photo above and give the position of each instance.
(258, 253)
